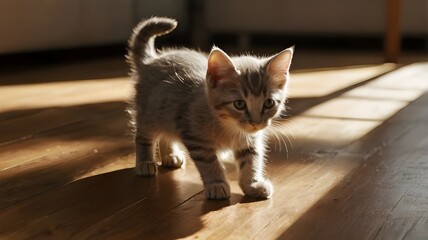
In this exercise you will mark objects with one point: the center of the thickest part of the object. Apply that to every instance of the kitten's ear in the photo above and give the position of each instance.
(279, 65)
(220, 67)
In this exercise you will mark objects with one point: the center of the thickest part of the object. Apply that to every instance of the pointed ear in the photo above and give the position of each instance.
(220, 67)
(279, 65)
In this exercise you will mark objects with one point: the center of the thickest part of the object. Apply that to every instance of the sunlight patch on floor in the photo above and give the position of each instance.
(357, 109)
(116, 164)
(322, 82)
(60, 94)
(324, 134)
(52, 151)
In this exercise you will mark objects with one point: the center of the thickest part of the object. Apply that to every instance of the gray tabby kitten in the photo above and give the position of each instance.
(206, 103)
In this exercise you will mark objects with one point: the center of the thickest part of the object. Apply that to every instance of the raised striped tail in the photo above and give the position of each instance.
(141, 44)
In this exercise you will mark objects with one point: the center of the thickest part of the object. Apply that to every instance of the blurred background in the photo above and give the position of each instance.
(54, 30)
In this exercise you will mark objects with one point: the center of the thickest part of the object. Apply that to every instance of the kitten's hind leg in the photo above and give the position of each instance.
(145, 164)
(170, 153)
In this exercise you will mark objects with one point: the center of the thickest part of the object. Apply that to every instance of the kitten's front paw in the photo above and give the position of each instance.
(173, 161)
(217, 191)
(261, 189)
(146, 168)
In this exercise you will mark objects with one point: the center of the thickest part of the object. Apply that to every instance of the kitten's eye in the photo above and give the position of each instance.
(239, 104)
(269, 103)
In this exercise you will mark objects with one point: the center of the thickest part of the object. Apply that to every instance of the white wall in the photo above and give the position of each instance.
(49, 24)
(415, 16)
(312, 16)
(176, 9)
(28, 25)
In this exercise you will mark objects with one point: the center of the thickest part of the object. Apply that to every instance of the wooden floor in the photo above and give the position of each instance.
(353, 163)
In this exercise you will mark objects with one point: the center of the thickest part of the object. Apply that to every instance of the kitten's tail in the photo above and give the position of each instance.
(141, 44)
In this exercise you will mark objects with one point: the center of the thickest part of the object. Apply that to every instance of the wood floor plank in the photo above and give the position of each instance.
(22, 126)
(60, 156)
(376, 189)
(372, 203)
(34, 180)
(409, 219)
(322, 82)
(26, 215)
(354, 108)
(108, 197)
(21, 97)
(56, 141)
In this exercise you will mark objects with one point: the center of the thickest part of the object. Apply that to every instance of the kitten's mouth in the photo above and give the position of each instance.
(253, 128)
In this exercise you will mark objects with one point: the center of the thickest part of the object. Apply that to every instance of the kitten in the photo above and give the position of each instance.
(206, 103)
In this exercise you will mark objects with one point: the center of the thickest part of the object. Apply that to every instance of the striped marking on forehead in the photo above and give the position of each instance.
(254, 83)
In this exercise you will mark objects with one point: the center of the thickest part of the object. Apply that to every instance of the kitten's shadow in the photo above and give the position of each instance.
(246, 199)
(235, 198)
(216, 205)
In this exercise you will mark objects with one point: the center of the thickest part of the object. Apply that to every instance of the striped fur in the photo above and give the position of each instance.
(187, 98)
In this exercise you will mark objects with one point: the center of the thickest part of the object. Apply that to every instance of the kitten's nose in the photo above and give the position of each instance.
(252, 122)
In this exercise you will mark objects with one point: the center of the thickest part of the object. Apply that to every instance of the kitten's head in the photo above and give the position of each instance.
(247, 92)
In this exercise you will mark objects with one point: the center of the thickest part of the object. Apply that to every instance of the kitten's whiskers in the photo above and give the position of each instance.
(279, 131)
